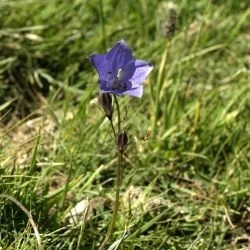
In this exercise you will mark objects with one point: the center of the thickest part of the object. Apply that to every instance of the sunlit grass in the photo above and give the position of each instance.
(186, 183)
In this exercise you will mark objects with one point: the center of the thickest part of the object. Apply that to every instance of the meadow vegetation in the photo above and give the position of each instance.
(187, 167)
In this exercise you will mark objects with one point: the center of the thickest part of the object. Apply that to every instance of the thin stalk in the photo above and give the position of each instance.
(66, 189)
(117, 196)
(109, 235)
(113, 129)
(159, 84)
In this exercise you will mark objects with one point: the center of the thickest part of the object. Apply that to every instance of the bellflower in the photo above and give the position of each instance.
(119, 72)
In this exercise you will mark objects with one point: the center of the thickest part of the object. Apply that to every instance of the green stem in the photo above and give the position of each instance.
(109, 235)
(118, 114)
(117, 196)
(159, 84)
(113, 129)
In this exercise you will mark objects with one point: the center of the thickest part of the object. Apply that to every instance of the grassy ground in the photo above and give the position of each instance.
(186, 184)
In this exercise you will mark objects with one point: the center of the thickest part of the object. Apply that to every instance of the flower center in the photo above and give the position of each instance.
(115, 82)
(119, 74)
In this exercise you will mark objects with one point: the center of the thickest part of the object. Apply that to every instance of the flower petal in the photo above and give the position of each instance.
(137, 92)
(142, 70)
(119, 55)
(99, 62)
(128, 70)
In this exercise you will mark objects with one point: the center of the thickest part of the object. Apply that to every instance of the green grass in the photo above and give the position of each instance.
(190, 176)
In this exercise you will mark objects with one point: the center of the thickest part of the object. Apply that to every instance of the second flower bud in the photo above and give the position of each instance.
(122, 141)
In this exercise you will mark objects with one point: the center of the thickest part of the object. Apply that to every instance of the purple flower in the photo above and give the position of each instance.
(119, 72)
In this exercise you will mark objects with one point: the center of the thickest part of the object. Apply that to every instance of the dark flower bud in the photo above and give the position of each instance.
(168, 16)
(122, 141)
(105, 99)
